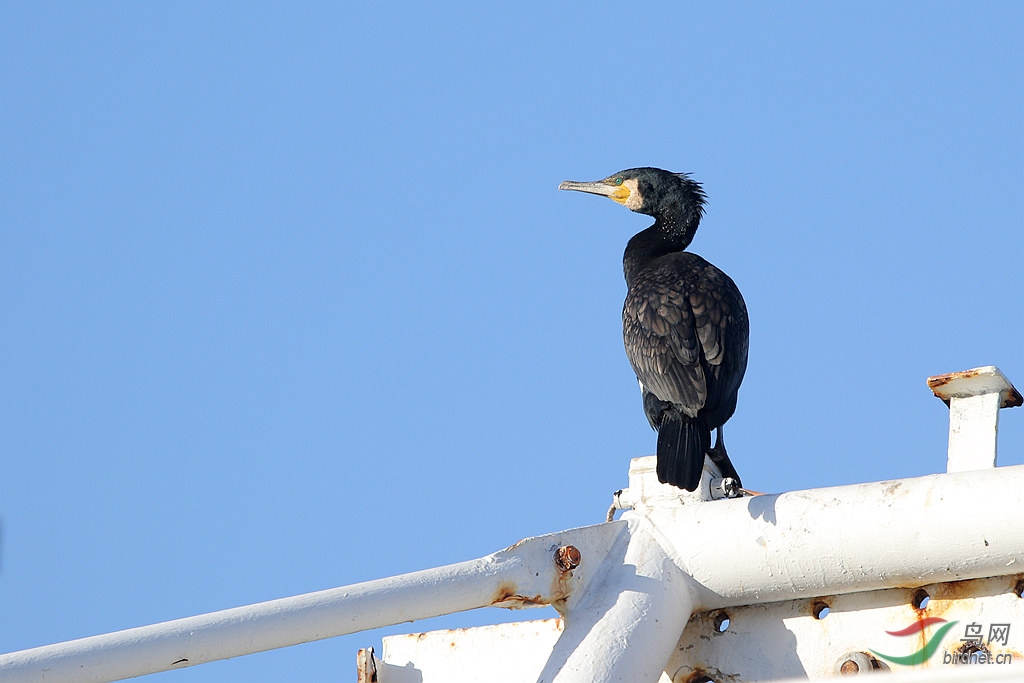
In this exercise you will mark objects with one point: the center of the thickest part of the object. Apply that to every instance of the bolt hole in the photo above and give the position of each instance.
(702, 678)
(721, 622)
(1019, 589)
(921, 599)
(820, 610)
(968, 651)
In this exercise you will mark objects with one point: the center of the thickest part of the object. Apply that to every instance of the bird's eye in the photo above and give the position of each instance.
(618, 181)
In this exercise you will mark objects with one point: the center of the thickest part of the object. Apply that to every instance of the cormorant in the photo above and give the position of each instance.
(684, 322)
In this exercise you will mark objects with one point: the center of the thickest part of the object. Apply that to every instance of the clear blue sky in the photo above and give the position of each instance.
(289, 300)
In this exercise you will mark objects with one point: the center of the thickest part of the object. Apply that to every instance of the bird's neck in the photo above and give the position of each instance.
(666, 236)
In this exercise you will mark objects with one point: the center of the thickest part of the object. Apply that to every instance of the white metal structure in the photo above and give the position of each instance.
(681, 588)
(974, 398)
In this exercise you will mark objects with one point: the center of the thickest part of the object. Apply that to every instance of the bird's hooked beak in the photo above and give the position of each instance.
(613, 188)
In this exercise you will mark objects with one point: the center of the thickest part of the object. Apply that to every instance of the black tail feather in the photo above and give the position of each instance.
(682, 443)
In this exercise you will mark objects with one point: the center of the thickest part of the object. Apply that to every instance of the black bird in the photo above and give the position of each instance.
(684, 322)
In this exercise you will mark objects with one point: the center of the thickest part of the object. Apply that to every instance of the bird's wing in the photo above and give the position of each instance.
(676, 326)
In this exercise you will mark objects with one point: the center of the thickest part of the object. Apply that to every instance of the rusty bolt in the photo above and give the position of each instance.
(853, 663)
(567, 558)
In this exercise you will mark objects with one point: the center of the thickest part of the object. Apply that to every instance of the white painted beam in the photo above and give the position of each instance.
(523, 575)
(625, 625)
(843, 539)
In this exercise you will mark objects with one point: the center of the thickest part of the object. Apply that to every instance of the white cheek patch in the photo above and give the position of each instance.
(634, 201)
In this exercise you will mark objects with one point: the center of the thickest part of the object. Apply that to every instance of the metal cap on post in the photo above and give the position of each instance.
(974, 398)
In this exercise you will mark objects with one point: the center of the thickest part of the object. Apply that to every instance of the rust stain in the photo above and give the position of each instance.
(937, 381)
(920, 613)
(568, 558)
(819, 608)
(366, 668)
(946, 601)
(706, 675)
(506, 589)
(1012, 399)
(515, 545)
(967, 589)
(958, 590)
(949, 600)
(507, 596)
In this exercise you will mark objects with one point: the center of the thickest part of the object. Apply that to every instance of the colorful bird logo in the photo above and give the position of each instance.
(929, 648)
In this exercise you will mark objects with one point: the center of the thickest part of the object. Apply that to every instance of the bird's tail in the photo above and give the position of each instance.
(682, 443)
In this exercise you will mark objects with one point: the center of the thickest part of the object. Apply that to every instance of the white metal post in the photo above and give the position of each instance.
(974, 398)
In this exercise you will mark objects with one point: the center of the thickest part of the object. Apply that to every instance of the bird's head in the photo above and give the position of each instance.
(670, 197)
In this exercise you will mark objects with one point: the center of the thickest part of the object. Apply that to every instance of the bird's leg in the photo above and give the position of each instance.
(720, 457)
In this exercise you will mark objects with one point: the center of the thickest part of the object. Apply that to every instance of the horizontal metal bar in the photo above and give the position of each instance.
(844, 539)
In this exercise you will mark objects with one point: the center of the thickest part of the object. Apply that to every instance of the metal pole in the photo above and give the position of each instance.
(846, 539)
(524, 575)
(975, 398)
